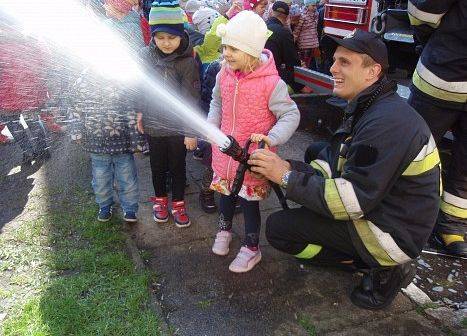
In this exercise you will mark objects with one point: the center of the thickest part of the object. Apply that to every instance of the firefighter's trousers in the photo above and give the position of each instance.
(307, 235)
(452, 217)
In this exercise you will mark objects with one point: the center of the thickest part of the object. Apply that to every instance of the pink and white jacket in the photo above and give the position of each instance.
(256, 103)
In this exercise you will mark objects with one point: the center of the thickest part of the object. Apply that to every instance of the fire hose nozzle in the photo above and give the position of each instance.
(235, 151)
(241, 155)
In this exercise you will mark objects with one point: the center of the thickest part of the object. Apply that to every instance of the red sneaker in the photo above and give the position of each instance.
(160, 209)
(50, 123)
(55, 128)
(180, 216)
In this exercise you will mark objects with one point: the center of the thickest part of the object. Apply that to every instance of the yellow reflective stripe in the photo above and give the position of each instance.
(419, 167)
(426, 149)
(309, 252)
(453, 210)
(372, 244)
(433, 79)
(433, 91)
(340, 163)
(416, 22)
(349, 198)
(333, 200)
(440, 180)
(322, 166)
(429, 18)
(454, 205)
(455, 200)
(389, 244)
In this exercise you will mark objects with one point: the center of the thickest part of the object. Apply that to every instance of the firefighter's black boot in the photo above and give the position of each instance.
(453, 247)
(458, 248)
(380, 286)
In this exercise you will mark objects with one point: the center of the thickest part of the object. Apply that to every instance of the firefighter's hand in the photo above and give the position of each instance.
(139, 122)
(190, 143)
(268, 164)
(256, 137)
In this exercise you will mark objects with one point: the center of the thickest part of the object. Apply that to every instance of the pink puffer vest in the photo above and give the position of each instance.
(245, 111)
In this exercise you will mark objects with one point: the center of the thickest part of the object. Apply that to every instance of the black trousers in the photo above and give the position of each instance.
(167, 155)
(440, 120)
(251, 216)
(292, 230)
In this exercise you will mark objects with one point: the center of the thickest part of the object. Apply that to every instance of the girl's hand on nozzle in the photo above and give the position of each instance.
(256, 137)
(190, 143)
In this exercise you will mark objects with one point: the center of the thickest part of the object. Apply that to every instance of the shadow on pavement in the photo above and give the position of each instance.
(16, 182)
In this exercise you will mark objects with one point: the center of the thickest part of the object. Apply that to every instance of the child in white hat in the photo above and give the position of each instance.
(249, 102)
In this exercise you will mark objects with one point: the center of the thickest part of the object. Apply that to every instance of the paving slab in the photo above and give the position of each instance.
(200, 296)
(409, 323)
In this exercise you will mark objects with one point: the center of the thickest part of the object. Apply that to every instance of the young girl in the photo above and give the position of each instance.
(306, 34)
(170, 61)
(250, 101)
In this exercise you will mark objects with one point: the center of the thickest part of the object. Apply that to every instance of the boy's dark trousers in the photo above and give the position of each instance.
(167, 154)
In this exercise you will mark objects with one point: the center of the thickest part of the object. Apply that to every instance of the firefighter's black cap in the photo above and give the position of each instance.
(281, 7)
(364, 42)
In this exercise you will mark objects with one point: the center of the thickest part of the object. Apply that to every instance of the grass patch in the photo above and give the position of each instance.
(203, 304)
(306, 324)
(82, 280)
(430, 305)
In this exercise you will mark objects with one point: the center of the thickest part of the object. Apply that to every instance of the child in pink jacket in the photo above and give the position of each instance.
(249, 101)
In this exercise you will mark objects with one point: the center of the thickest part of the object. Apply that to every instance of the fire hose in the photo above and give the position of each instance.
(241, 155)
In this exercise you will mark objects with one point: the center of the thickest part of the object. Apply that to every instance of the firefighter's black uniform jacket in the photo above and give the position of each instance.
(380, 175)
(441, 73)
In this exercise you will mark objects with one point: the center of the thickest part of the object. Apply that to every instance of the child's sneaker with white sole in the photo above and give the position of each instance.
(222, 242)
(245, 260)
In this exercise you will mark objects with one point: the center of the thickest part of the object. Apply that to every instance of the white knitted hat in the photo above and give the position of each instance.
(204, 18)
(246, 31)
(192, 6)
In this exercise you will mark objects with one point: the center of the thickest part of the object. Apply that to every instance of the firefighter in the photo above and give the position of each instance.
(370, 197)
(439, 94)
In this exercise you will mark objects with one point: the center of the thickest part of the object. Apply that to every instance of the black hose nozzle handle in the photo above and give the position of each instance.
(235, 151)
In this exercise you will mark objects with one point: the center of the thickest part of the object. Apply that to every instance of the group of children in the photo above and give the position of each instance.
(242, 94)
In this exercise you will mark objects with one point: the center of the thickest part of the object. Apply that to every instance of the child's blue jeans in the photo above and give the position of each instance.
(118, 168)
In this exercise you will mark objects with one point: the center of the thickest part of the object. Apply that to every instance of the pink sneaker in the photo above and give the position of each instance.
(222, 242)
(245, 260)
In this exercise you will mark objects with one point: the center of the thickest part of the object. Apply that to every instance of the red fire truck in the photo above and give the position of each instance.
(386, 18)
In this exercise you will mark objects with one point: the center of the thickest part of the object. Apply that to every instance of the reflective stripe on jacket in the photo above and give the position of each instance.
(380, 175)
(441, 27)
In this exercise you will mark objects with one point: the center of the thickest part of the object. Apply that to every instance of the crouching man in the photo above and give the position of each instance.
(371, 196)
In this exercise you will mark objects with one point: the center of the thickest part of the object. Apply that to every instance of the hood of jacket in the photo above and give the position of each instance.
(267, 67)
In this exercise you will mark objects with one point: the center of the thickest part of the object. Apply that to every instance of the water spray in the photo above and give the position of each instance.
(83, 36)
